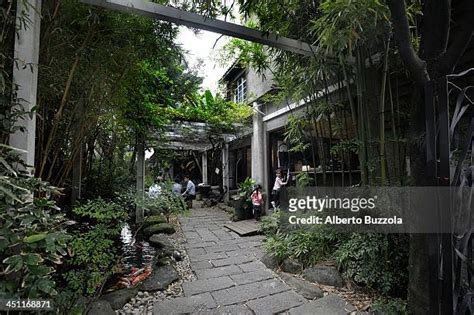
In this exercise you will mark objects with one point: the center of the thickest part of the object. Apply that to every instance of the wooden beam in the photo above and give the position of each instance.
(194, 20)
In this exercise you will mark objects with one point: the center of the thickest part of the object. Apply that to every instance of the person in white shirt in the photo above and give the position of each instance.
(276, 188)
(190, 192)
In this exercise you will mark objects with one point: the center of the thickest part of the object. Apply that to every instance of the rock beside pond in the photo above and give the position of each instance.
(119, 298)
(160, 279)
(154, 219)
(305, 288)
(101, 307)
(325, 275)
(159, 241)
(291, 265)
(165, 228)
(270, 261)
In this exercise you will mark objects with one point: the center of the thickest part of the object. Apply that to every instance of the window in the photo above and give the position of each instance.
(240, 91)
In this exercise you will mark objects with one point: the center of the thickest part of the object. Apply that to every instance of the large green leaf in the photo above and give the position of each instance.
(35, 238)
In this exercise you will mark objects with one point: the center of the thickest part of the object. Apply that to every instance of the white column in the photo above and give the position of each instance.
(25, 75)
(258, 147)
(225, 170)
(140, 177)
(204, 168)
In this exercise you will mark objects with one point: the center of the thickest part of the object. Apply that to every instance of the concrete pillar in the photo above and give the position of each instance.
(205, 179)
(225, 170)
(258, 147)
(25, 75)
(140, 177)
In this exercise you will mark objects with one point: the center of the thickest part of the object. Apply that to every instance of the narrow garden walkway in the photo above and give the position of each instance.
(230, 277)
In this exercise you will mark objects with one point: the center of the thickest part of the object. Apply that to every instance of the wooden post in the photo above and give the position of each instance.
(140, 177)
(25, 76)
(225, 170)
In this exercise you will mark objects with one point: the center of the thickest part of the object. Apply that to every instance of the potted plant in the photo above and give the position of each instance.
(244, 209)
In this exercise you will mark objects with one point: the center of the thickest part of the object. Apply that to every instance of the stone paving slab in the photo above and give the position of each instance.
(252, 266)
(254, 276)
(276, 303)
(184, 305)
(228, 310)
(207, 285)
(234, 260)
(231, 279)
(246, 292)
(209, 273)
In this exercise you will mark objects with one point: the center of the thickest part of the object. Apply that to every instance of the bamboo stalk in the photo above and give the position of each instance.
(383, 162)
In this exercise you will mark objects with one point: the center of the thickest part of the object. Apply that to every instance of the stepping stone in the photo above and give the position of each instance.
(276, 303)
(119, 298)
(160, 279)
(165, 228)
(154, 219)
(330, 304)
(305, 288)
(246, 292)
(207, 285)
(101, 307)
(159, 241)
(185, 305)
(325, 275)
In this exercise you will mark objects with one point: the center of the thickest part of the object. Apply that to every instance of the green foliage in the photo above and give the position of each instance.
(33, 241)
(214, 110)
(94, 250)
(386, 306)
(304, 179)
(377, 261)
(245, 190)
(269, 224)
(101, 211)
(306, 245)
(345, 24)
(94, 259)
(166, 202)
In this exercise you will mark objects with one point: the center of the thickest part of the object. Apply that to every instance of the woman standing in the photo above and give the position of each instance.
(276, 188)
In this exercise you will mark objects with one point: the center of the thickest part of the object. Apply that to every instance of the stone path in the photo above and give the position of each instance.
(230, 277)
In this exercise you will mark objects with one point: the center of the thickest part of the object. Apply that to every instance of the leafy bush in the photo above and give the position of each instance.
(94, 251)
(95, 258)
(166, 202)
(245, 191)
(389, 306)
(269, 224)
(306, 245)
(33, 240)
(376, 260)
(101, 211)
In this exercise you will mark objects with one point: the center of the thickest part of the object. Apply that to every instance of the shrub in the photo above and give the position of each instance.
(94, 251)
(33, 240)
(306, 245)
(166, 202)
(389, 306)
(377, 261)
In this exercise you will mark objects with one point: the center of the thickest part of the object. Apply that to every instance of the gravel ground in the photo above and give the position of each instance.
(143, 302)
